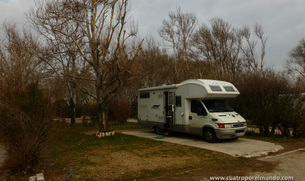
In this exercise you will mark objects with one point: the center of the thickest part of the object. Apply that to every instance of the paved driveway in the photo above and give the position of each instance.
(238, 148)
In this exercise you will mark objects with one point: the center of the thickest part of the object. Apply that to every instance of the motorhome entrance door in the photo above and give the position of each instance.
(170, 107)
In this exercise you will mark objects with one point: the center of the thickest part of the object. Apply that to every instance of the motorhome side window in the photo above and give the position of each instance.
(196, 107)
(144, 95)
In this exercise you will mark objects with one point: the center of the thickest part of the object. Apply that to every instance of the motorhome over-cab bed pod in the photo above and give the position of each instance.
(204, 89)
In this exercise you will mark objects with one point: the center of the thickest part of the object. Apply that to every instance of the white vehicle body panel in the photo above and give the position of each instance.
(169, 107)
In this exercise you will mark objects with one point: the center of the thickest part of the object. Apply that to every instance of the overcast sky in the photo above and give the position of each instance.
(282, 20)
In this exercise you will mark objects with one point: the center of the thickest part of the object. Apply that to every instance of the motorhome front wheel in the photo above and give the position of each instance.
(209, 135)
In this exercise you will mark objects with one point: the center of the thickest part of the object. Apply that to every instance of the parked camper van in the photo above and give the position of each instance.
(196, 106)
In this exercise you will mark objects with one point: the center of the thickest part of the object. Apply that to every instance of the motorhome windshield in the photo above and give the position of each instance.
(217, 106)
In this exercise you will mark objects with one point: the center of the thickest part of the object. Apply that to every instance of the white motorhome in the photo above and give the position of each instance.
(196, 106)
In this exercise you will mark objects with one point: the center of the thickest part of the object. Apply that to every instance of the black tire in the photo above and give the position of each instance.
(209, 135)
(158, 130)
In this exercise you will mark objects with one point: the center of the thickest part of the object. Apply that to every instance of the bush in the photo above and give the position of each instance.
(119, 110)
(63, 110)
(271, 102)
(25, 126)
(90, 109)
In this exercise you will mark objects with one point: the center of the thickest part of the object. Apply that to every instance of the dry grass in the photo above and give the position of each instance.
(124, 157)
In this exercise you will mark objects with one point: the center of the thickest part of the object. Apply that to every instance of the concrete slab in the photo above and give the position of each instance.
(239, 148)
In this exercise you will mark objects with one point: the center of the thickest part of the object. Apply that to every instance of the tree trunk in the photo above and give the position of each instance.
(72, 108)
(84, 120)
(103, 126)
(105, 123)
(273, 129)
(102, 121)
(266, 130)
(100, 117)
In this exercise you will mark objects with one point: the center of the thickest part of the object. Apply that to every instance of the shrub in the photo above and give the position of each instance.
(271, 102)
(25, 126)
(119, 110)
(90, 109)
(63, 110)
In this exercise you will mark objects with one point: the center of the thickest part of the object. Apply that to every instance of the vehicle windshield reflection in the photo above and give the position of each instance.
(217, 106)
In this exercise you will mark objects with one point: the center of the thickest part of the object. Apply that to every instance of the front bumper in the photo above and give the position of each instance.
(224, 133)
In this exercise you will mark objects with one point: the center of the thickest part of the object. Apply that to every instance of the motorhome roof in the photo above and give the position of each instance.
(205, 82)
(201, 82)
(163, 87)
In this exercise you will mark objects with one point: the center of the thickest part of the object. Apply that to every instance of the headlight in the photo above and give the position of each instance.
(228, 126)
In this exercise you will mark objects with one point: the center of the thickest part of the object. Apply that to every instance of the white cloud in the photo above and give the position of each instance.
(282, 20)
(14, 10)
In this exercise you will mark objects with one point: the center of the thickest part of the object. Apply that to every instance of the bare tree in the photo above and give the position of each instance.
(230, 50)
(177, 31)
(19, 66)
(104, 49)
(253, 58)
(220, 46)
(296, 62)
(60, 54)
(153, 65)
